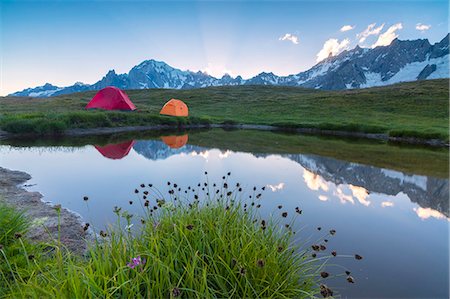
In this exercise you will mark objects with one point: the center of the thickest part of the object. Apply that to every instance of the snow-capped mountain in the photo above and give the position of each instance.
(401, 61)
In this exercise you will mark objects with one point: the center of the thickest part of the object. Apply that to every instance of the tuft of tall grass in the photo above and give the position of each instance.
(214, 248)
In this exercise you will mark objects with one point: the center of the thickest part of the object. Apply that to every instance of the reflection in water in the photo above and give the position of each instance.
(428, 212)
(314, 181)
(372, 208)
(115, 151)
(386, 204)
(175, 141)
(275, 188)
(428, 192)
(350, 181)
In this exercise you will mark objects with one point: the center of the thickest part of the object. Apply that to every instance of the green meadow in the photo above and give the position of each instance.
(415, 109)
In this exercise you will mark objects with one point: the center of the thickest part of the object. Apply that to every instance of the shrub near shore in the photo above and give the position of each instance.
(181, 247)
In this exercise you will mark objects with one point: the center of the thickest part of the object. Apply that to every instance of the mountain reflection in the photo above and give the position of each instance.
(350, 181)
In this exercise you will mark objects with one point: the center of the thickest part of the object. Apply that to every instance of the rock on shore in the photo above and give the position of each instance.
(43, 216)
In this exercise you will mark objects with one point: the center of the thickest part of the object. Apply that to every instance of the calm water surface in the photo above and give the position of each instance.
(399, 222)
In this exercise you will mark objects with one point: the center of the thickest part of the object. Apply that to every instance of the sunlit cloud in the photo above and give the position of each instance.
(290, 37)
(347, 28)
(323, 198)
(422, 27)
(225, 154)
(332, 47)
(204, 154)
(314, 181)
(370, 30)
(275, 188)
(216, 70)
(386, 204)
(343, 197)
(425, 213)
(360, 194)
(387, 37)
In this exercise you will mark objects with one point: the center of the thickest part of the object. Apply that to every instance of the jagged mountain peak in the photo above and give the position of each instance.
(402, 60)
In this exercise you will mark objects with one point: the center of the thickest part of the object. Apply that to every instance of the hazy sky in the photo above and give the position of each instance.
(62, 42)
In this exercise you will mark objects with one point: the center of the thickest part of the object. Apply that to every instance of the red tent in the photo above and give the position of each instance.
(111, 98)
(115, 151)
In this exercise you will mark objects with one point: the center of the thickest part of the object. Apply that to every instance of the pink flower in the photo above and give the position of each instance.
(136, 261)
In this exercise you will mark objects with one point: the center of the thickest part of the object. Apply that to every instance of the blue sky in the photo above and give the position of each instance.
(62, 42)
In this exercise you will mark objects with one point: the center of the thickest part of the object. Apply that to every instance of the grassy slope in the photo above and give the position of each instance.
(417, 109)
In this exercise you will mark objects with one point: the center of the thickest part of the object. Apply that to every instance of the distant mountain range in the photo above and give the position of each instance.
(401, 61)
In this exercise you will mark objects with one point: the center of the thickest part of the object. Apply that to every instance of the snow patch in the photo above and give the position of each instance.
(418, 180)
(44, 93)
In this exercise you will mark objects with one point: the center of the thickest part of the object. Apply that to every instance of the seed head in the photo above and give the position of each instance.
(233, 262)
(325, 291)
(260, 263)
(176, 292)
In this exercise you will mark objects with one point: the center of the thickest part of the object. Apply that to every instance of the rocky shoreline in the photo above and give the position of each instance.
(309, 131)
(43, 216)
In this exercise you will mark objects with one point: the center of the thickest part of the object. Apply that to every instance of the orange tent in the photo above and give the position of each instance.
(175, 108)
(175, 141)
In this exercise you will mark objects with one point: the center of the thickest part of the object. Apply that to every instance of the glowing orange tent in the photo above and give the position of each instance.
(115, 151)
(175, 108)
(175, 141)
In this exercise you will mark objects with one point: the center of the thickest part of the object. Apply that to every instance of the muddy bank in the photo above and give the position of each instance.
(43, 217)
(309, 131)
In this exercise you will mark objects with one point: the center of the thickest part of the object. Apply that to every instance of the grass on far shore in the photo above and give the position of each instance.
(216, 248)
(415, 109)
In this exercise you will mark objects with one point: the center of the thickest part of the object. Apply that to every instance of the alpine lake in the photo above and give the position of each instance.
(387, 202)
